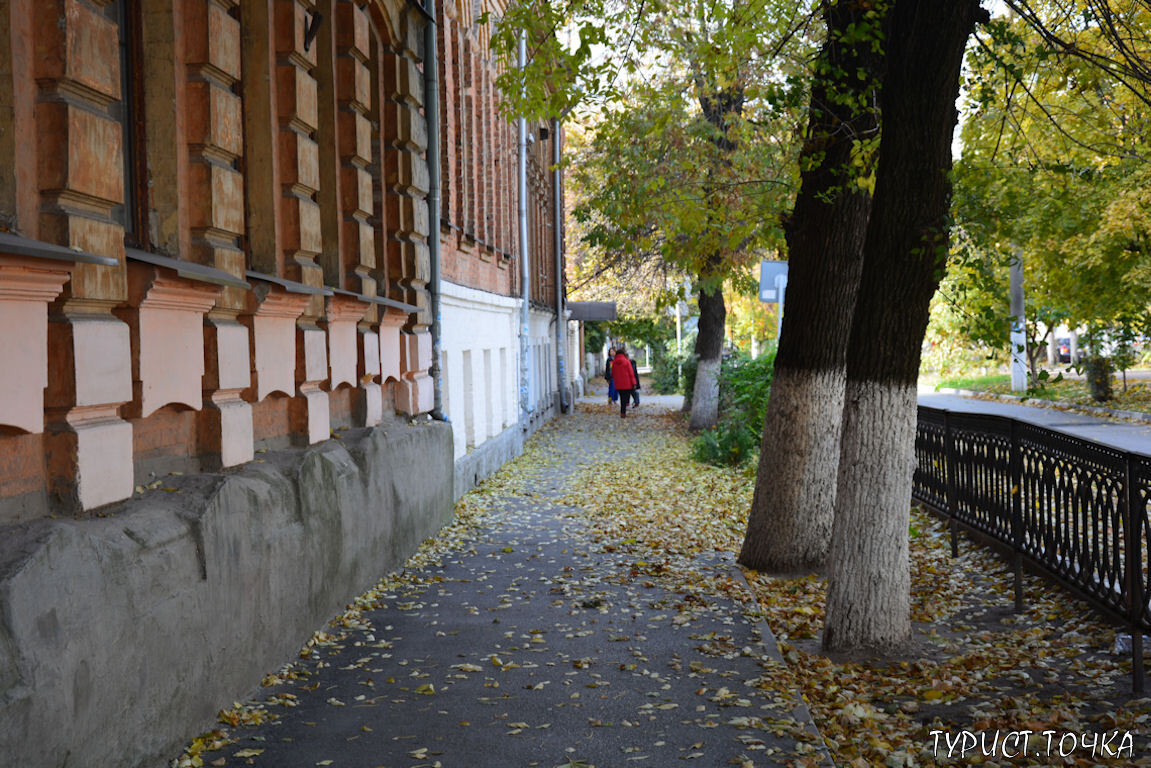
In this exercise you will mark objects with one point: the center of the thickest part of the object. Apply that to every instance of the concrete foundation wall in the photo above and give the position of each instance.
(121, 637)
(484, 460)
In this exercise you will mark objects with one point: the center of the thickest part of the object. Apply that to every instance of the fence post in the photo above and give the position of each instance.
(1015, 478)
(949, 481)
(1133, 572)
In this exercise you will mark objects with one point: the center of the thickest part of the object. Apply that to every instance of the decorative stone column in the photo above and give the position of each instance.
(415, 393)
(225, 427)
(88, 446)
(370, 408)
(311, 419)
(280, 362)
(391, 368)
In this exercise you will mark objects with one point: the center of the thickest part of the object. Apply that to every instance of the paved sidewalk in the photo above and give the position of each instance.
(1125, 436)
(536, 642)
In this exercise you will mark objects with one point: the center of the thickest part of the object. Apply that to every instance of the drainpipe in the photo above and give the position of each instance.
(432, 112)
(525, 254)
(558, 242)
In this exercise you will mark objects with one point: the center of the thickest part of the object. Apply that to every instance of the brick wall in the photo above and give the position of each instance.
(168, 147)
(479, 228)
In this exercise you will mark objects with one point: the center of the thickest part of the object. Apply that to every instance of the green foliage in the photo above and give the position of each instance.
(1054, 168)
(744, 389)
(1097, 370)
(665, 370)
(688, 166)
(690, 365)
(595, 336)
(642, 331)
(729, 444)
(975, 382)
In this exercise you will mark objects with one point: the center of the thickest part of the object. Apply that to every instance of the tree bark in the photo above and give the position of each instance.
(708, 349)
(719, 106)
(904, 259)
(791, 513)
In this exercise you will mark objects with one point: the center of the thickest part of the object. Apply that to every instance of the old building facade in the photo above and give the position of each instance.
(483, 280)
(215, 282)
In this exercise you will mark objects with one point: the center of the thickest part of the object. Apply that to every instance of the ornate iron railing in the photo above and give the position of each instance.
(1075, 509)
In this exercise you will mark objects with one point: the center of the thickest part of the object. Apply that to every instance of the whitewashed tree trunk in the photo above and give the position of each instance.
(789, 525)
(705, 395)
(709, 352)
(869, 583)
(795, 484)
(868, 599)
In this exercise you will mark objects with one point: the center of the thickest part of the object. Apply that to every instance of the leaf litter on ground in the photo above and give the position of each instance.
(975, 665)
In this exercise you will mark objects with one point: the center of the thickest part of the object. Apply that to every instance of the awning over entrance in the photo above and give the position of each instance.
(592, 311)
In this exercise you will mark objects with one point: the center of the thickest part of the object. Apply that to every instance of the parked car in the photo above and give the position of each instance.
(1063, 350)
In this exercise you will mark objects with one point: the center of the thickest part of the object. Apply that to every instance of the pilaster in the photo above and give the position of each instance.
(372, 404)
(225, 425)
(215, 139)
(409, 268)
(88, 445)
(298, 148)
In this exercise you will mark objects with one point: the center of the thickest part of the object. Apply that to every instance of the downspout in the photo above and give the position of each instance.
(525, 253)
(432, 113)
(558, 244)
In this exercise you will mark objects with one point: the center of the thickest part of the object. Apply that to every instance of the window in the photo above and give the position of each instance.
(129, 113)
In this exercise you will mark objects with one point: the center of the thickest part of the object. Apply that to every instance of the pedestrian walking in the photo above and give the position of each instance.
(624, 378)
(635, 392)
(612, 394)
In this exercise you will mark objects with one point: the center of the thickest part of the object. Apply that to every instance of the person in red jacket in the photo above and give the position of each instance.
(623, 376)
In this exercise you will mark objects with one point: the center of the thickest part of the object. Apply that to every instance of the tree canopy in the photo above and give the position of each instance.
(1054, 168)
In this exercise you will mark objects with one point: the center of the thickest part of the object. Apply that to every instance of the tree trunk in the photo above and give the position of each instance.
(791, 514)
(719, 106)
(708, 348)
(904, 259)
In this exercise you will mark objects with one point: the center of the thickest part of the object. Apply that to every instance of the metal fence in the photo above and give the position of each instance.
(1077, 510)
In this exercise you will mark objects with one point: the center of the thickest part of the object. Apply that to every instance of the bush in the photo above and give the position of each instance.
(665, 371)
(690, 364)
(729, 444)
(744, 388)
(1098, 372)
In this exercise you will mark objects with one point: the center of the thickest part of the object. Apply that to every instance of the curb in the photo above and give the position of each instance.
(800, 712)
(1034, 402)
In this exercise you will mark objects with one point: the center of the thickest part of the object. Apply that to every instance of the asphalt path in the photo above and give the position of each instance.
(532, 641)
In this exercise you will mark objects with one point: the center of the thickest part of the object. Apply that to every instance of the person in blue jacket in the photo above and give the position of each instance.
(612, 395)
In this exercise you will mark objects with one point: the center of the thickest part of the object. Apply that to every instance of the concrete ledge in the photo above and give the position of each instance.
(122, 636)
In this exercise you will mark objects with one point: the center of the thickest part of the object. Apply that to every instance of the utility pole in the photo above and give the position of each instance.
(1018, 326)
